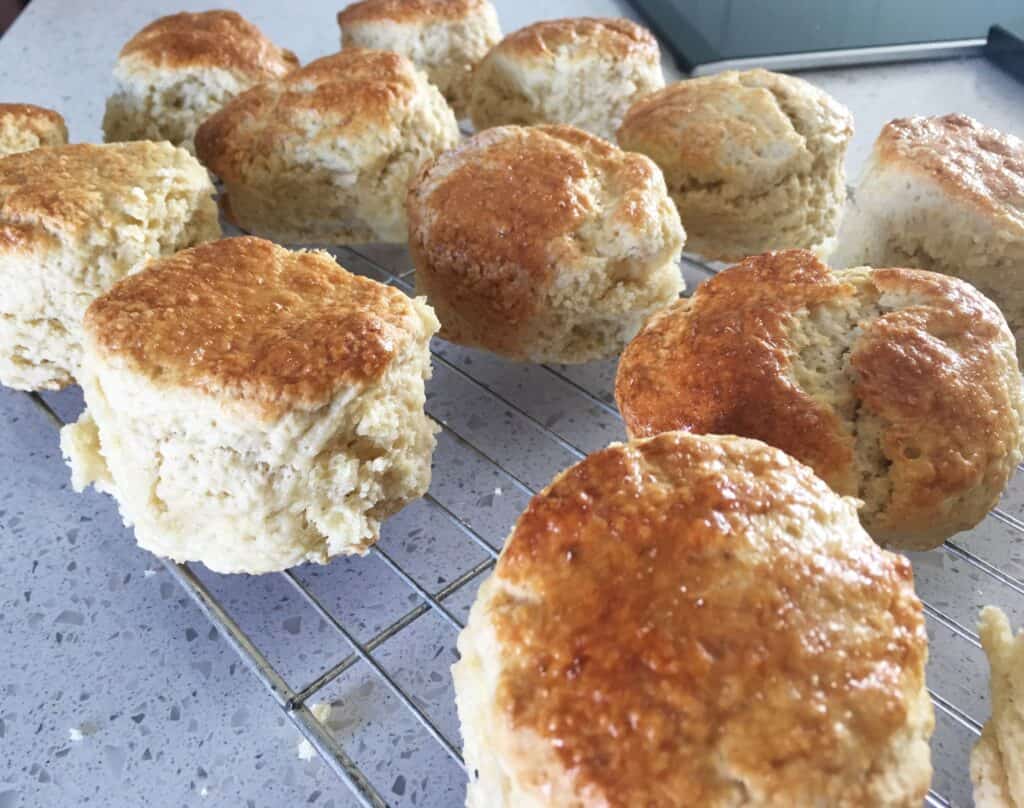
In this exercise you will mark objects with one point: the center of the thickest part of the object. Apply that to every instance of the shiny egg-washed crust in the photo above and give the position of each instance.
(965, 157)
(610, 37)
(690, 620)
(24, 126)
(929, 362)
(407, 11)
(215, 39)
(242, 319)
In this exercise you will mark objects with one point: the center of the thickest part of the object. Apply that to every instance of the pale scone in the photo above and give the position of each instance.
(444, 38)
(180, 69)
(75, 219)
(582, 71)
(897, 386)
(997, 761)
(694, 621)
(753, 160)
(944, 194)
(24, 127)
(254, 408)
(325, 155)
(543, 244)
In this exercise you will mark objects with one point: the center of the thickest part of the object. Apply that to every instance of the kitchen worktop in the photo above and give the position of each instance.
(114, 688)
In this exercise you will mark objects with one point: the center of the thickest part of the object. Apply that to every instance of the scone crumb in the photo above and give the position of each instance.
(321, 711)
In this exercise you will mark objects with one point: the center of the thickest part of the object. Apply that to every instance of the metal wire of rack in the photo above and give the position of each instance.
(587, 389)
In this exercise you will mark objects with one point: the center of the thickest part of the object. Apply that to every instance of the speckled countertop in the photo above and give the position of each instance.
(115, 690)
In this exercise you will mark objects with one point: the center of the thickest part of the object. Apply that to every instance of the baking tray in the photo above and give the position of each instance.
(392, 737)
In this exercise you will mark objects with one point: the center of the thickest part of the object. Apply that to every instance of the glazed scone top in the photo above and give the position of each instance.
(344, 96)
(582, 37)
(254, 324)
(408, 11)
(47, 124)
(503, 210)
(931, 358)
(70, 192)
(966, 158)
(684, 618)
(748, 129)
(210, 39)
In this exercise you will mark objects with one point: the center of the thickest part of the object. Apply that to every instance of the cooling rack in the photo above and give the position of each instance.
(506, 430)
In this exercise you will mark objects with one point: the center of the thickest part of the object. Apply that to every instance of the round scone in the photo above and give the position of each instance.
(75, 219)
(753, 160)
(897, 386)
(25, 126)
(325, 155)
(543, 244)
(694, 621)
(581, 71)
(444, 38)
(254, 408)
(944, 194)
(180, 69)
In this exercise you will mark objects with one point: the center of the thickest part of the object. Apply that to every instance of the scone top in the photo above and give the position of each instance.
(687, 620)
(408, 11)
(262, 328)
(45, 124)
(208, 39)
(744, 129)
(969, 160)
(581, 37)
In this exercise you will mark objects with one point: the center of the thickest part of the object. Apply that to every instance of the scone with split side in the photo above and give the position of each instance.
(180, 69)
(897, 386)
(543, 244)
(25, 126)
(581, 71)
(694, 621)
(997, 761)
(944, 194)
(444, 38)
(325, 155)
(753, 160)
(254, 408)
(75, 219)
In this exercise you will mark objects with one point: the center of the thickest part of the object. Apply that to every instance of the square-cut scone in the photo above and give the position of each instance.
(180, 69)
(26, 126)
(75, 219)
(254, 408)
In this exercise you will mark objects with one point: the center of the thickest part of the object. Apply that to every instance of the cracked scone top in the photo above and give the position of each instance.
(897, 386)
(753, 159)
(694, 620)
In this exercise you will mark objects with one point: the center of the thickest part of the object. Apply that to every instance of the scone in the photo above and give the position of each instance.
(25, 126)
(325, 155)
(997, 761)
(897, 386)
(444, 38)
(543, 244)
(694, 621)
(944, 194)
(253, 408)
(582, 71)
(753, 160)
(73, 220)
(180, 69)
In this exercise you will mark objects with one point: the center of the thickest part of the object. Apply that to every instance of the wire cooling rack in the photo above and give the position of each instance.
(507, 429)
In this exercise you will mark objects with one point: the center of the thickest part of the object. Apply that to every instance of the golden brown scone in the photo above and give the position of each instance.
(583, 71)
(444, 38)
(694, 621)
(254, 408)
(75, 219)
(325, 155)
(180, 69)
(897, 386)
(25, 126)
(753, 160)
(544, 244)
(944, 194)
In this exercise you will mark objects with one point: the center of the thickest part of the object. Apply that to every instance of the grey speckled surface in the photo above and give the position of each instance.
(96, 637)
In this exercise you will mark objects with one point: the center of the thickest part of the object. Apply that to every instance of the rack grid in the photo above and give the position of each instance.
(517, 425)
